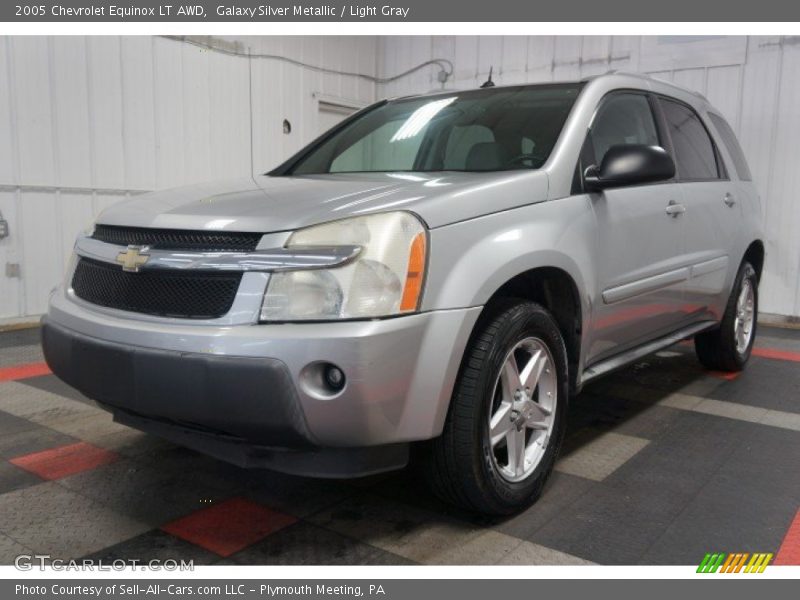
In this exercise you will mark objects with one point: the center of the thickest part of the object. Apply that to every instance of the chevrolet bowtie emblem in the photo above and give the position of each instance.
(133, 258)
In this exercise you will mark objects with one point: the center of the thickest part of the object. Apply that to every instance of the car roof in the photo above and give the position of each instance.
(616, 78)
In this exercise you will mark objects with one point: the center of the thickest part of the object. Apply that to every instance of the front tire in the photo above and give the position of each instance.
(728, 347)
(507, 414)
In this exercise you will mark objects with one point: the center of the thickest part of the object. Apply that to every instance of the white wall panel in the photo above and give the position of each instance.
(754, 81)
(465, 58)
(30, 84)
(171, 151)
(625, 52)
(724, 91)
(515, 56)
(39, 228)
(11, 295)
(759, 111)
(8, 126)
(71, 126)
(783, 208)
(694, 79)
(229, 92)
(76, 212)
(138, 118)
(195, 113)
(595, 55)
(567, 57)
(105, 114)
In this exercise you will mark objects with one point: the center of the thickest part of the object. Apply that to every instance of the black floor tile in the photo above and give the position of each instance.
(19, 337)
(306, 544)
(52, 384)
(13, 478)
(783, 333)
(747, 506)
(142, 492)
(10, 424)
(294, 495)
(618, 521)
(34, 438)
(765, 383)
(560, 492)
(197, 469)
(678, 370)
(155, 545)
(409, 487)
(604, 411)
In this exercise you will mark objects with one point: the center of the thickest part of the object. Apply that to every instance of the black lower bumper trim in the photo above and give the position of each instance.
(250, 399)
(330, 463)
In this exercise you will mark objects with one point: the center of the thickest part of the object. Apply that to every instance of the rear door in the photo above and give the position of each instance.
(713, 212)
(639, 246)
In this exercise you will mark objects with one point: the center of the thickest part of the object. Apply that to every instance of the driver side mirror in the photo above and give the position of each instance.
(629, 164)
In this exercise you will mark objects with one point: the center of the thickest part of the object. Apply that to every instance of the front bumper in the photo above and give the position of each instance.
(244, 384)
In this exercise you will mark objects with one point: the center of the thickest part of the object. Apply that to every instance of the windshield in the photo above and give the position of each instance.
(494, 129)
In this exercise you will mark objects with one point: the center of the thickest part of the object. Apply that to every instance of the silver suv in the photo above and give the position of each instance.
(446, 269)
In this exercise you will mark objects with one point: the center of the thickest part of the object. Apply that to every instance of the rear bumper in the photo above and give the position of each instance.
(241, 392)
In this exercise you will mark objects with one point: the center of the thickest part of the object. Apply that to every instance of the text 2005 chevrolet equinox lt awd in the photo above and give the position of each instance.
(444, 270)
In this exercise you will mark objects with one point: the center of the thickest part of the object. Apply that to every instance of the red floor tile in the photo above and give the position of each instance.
(730, 376)
(229, 526)
(776, 354)
(24, 371)
(789, 553)
(64, 461)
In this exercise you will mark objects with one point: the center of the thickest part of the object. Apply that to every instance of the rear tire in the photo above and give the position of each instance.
(728, 347)
(507, 414)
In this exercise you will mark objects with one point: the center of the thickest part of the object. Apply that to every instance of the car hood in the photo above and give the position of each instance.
(269, 204)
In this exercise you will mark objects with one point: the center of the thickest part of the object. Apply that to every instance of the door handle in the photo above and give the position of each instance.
(729, 200)
(674, 209)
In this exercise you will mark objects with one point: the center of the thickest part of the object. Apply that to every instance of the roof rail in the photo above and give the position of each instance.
(647, 77)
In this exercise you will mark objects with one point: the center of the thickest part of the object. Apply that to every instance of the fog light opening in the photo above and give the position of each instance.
(334, 378)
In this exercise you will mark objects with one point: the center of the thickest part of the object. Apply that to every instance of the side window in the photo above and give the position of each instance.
(624, 118)
(732, 144)
(695, 156)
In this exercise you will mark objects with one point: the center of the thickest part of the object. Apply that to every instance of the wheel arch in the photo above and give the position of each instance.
(755, 256)
(557, 291)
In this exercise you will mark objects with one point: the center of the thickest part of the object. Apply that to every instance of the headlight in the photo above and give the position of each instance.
(386, 278)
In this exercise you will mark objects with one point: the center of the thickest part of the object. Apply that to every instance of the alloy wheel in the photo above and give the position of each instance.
(522, 412)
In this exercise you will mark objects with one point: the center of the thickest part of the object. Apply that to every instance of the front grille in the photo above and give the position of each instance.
(178, 239)
(184, 294)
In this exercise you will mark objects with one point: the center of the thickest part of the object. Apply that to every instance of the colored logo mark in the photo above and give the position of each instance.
(735, 563)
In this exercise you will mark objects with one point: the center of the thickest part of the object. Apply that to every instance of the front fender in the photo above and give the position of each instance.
(471, 260)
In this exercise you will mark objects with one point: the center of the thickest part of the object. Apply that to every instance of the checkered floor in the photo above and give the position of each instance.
(663, 462)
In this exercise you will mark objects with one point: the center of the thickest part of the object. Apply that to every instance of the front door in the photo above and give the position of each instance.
(640, 239)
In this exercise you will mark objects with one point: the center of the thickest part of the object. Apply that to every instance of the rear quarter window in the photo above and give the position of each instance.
(732, 145)
(694, 150)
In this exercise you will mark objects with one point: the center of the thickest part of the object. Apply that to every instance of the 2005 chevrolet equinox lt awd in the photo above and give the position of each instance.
(442, 271)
